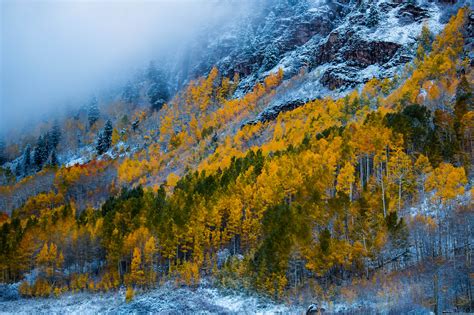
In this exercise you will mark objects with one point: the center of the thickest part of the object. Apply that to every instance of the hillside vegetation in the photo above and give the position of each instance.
(357, 197)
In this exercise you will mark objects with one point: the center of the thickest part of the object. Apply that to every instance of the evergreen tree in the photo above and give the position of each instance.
(18, 169)
(93, 113)
(463, 102)
(373, 18)
(53, 161)
(463, 105)
(40, 154)
(248, 38)
(3, 157)
(325, 241)
(130, 93)
(54, 136)
(268, 27)
(26, 159)
(426, 38)
(362, 6)
(158, 93)
(271, 56)
(104, 139)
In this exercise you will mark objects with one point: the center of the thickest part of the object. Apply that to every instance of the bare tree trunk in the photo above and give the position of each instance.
(399, 194)
(437, 307)
(366, 260)
(469, 293)
(234, 244)
(367, 175)
(346, 214)
(383, 191)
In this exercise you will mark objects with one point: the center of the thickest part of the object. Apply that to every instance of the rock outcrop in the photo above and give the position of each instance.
(339, 44)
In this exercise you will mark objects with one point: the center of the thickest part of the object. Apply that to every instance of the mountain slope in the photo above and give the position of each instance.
(325, 201)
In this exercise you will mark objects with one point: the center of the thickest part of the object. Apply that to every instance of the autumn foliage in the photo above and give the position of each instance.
(315, 196)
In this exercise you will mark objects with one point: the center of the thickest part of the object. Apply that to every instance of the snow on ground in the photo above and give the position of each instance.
(391, 30)
(428, 206)
(167, 299)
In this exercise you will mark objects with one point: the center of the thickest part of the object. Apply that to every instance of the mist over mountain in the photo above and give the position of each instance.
(58, 54)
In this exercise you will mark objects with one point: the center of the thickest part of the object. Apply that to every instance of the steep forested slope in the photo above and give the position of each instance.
(345, 197)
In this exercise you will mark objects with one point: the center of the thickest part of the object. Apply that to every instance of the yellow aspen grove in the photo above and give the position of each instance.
(137, 274)
(346, 179)
(422, 168)
(42, 259)
(115, 137)
(52, 254)
(129, 294)
(400, 168)
(149, 253)
(343, 183)
(447, 182)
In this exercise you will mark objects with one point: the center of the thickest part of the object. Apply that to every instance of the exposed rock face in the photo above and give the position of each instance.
(332, 79)
(355, 54)
(334, 34)
(409, 13)
(352, 53)
(363, 54)
(273, 112)
(262, 41)
(340, 44)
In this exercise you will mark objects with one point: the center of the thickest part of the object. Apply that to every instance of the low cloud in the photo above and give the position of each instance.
(54, 53)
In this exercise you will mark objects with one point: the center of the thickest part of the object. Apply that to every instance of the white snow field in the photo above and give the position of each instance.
(166, 299)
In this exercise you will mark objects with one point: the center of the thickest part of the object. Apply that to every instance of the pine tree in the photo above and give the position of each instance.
(248, 39)
(325, 241)
(135, 125)
(158, 93)
(18, 170)
(104, 139)
(93, 113)
(373, 18)
(40, 154)
(53, 161)
(463, 102)
(130, 93)
(54, 136)
(3, 157)
(426, 38)
(362, 6)
(271, 56)
(26, 159)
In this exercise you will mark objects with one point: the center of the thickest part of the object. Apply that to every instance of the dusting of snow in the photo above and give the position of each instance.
(427, 207)
(166, 299)
(391, 30)
(77, 161)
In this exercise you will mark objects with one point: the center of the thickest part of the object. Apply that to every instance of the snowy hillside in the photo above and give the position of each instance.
(304, 155)
(167, 299)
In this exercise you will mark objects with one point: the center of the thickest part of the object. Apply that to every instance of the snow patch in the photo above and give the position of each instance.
(168, 298)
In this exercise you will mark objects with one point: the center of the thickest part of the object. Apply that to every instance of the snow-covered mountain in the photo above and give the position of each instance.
(334, 45)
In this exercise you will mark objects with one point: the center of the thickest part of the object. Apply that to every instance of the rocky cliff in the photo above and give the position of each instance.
(334, 45)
